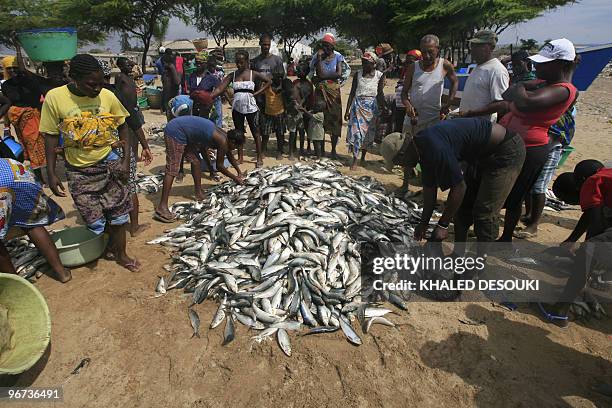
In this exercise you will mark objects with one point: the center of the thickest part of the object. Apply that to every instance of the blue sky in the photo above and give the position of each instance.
(584, 22)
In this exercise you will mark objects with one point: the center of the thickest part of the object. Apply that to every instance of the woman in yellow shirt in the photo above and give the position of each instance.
(90, 121)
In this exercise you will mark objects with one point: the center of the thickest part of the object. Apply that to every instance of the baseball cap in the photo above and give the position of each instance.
(162, 50)
(369, 56)
(390, 146)
(561, 49)
(484, 37)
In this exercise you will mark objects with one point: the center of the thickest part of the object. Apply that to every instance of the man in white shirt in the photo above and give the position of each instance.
(482, 95)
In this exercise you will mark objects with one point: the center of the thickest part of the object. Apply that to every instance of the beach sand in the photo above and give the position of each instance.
(142, 353)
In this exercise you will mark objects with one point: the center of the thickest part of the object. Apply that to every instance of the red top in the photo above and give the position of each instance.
(533, 126)
(597, 190)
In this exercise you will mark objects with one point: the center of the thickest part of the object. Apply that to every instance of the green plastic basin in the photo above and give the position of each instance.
(49, 44)
(78, 245)
(29, 320)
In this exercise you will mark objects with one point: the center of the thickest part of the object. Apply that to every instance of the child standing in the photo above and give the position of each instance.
(316, 131)
(306, 93)
(273, 118)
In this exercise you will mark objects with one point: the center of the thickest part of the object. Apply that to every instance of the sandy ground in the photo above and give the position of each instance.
(142, 354)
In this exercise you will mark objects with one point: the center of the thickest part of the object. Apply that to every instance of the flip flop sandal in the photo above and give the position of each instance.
(561, 321)
(524, 234)
(158, 217)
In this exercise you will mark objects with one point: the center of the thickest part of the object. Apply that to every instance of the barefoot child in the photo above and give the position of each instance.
(316, 130)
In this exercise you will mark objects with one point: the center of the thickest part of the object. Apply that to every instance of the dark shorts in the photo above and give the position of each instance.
(273, 124)
(251, 118)
(174, 155)
(535, 158)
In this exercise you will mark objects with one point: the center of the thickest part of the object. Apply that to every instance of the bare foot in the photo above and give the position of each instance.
(63, 276)
(130, 264)
(259, 164)
(354, 166)
(199, 197)
(134, 232)
(240, 160)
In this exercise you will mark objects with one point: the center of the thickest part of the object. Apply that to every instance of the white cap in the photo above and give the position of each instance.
(561, 49)
(162, 50)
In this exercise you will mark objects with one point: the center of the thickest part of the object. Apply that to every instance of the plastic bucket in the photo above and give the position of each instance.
(49, 44)
(565, 153)
(29, 324)
(16, 148)
(79, 246)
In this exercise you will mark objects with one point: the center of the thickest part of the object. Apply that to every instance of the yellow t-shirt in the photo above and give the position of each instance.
(98, 118)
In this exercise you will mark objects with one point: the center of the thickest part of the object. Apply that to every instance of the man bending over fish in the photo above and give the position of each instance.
(182, 134)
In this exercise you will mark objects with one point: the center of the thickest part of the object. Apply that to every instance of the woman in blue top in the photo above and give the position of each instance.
(327, 65)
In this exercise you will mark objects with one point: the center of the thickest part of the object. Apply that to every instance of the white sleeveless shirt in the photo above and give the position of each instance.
(426, 91)
(367, 86)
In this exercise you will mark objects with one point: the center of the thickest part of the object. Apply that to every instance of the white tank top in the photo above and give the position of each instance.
(367, 86)
(244, 101)
(426, 91)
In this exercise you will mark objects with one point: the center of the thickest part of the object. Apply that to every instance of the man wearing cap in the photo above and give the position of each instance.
(494, 157)
(482, 95)
(159, 64)
(385, 55)
(423, 88)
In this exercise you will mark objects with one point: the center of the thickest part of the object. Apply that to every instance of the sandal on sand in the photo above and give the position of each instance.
(161, 218)
(561, 321)
(133, 266)
(524, 234)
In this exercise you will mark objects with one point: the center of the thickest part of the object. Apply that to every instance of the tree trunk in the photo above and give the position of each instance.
(146, 42)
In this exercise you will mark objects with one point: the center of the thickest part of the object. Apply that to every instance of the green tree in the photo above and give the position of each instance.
(292, 20)
(30, 14)
(223, 19)
(139, 18)
(529, 44)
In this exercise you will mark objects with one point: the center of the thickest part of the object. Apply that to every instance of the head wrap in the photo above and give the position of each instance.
(415, 53)
(329, 38)
(105, 67)
(370, 56)
(8, 62)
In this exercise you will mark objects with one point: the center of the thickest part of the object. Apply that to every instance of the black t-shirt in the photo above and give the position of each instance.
(444, 145)
(24, 91)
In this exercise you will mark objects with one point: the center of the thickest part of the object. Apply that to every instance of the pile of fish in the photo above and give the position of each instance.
(283, 251)
(27, 260)
(149, 184)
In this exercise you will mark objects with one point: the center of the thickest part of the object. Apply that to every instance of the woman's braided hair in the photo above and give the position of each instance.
(82, 65)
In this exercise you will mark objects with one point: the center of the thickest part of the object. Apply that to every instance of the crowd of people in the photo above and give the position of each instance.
(499, 149)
